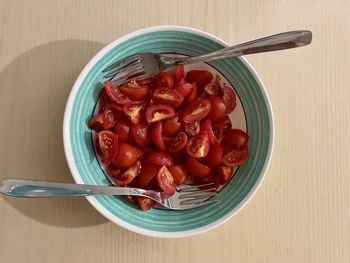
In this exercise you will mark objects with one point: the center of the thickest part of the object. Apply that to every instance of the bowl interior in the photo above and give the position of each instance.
(252, 114)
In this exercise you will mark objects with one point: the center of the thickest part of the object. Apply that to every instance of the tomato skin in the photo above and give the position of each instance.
(185, 89)
(134, 111)
(224, 173)
(141, 134)
(135, 93)
(159, 112)
(99, 122)
(179, 73)
(164, 79)
(173, 126)
(113, 170)
(201, 77)
(108, 143)
(166, 181)
(196, 168)
(126, 156)
(122, 129)
(159, 158)
(214, 156)
(218, 109)
(157, 135)
(178, 144)
(237, 138)
(198, 146)
(103, 101)
(129, 174)
(145, 203)
(235, 157)
(179, 173)
(193, 128)
(213, 88)
(194, 94)
(168, 96)
(148, 171)
(229, 99)
(115, 95)
(112, 113)
(197, 110)
(206, 126)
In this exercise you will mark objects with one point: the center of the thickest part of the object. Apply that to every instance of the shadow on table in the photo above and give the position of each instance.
(34, 90)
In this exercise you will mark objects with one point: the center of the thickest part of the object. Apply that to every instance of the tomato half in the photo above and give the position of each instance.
(235, 157)
(237, 138)
(178, 144)
(141, 134)
(159, 112)
(218, 108)
(157, 135)
(129, 174)
(122, 129)
(229, 99)
(206, 126)
(179, 73)
(164, 79)
(103, 101)
(214, 156)
(218, 132)
(108, 143)
(99, 122)
(126, 155)
(113, 170)
(185, 89)
(201, 77)
(168, 96)
(112, 113)
(145, 203)
(173, 126)
(135, 93)
(194, 93)
(148, 171)
(179, 173)
(134, 111)
(198, 146)
(115, 95)
(159, 158)
(192, 128)
(166, 181)
(224, 173)
(196, 168)
(197, 110)
(213, 88)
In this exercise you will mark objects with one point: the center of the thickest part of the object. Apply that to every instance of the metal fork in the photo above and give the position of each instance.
(185, 197)
(144, 65)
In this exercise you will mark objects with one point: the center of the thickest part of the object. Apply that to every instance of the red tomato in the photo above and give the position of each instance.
(112, 113)
(141, 134)
(235, 157)
(145, 203)
(179, 73)
(139, 152)
(197, 110)
(168, 96)
(198, 146)
(113, 170)
(196, 168)
(179, 173)
(135, 93)
(126, 156)
(224, 173)
(159, 158)
(192, 128)
(226, 124)
(213, 88)
(164, 79)
(115, 94)
(173, 126)
(129, 174)
(148, 171)
(134, 111)
(229, 99)
(206, 126)
(185, 89)
(122, 129)
(214, 156)
(237, 138)
(108, 143)
(159, 112)
(103, 101)
(178, 144)
(157, 135)
(166, 181)
(99, 122)
(218, 109)
(193, 94)
(201, 77)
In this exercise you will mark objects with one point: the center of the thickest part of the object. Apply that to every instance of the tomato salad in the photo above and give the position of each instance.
(170, 129)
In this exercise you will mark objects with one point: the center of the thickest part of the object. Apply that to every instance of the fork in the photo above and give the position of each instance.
(144, 65)
(185, 197)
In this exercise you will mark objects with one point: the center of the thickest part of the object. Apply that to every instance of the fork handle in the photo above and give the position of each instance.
(280, 41)
(31, 188)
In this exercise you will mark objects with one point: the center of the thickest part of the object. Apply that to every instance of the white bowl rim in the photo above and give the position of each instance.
(78, 179)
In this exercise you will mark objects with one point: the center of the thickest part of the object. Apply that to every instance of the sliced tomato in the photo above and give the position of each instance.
(226, 124)
(194, 93)
(214, 156)
(166, 181)
(103, 101)
(179, 173)
(178, 144)
(157, 135)
(159, 158)
(159, 112)
(185, 89)
(99, 122)
(113, 170)
(126, 155)
(218, 132)
(145, 203)
(129, 174)
(237, 138)
(235, 157)
(122, 129)
(173, 126)
(139, 152)
(179, 73)
(206, 126)
(213, 88)
(141, 134)
(201, 77)
(136, 92)
(134, 111)
(112, 113)
(198, 146)
(148, 171)
(108, 143)
(164, 79)
(192, 128)
(180, 157)
(229, 99)
(196, 168)
(224, 173)
(218, 109)
(168, 96)
(115, 95)
(197, 110)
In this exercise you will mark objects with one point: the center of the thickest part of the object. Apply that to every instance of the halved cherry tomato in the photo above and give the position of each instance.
(192, 128)
(196, 168)
(112, 113)
(178, 144)
(134, 111)
(168, 96)
(235, 157)
(159, 158)
(179, 173)
(180, 157)
(213, 88)
(179, 73)
(159, 112)
(201, 77)
(237, 138)
(206, 126)
(197, 110)
(115, 94)
(141, 134)
(218, 132)
(164, 79)
(224, 173)
(193, 94)
(129, 174)
(198, 146)
(145, 203)
(103, 101)
(173, 126)
(126, 155)
(226, 124)
(135, 93)
(214, 156)
(229, 99)
(166, 181)
(108, 143)
(122, 129)
(139, 152)
(185, 89)
(113, 170)
(99, 122)
(218, 109)
(148, 171)
(157, 135)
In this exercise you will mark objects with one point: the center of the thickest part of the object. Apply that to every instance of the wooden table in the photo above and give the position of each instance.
(302, 211)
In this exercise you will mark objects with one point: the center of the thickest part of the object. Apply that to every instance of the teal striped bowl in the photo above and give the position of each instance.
(256, 117)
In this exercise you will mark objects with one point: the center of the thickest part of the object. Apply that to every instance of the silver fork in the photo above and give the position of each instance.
(144, 65)
(185, 197)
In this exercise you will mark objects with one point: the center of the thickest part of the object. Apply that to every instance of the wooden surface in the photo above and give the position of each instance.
(302, 211)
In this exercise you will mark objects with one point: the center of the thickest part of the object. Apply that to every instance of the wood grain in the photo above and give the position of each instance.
(302, 211)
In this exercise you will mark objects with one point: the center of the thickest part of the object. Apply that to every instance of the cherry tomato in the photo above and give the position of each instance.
(168, 96)
(206, 126)
(108, 143)
(126, 155)
(129, 174)
(159, 158)
(145, 203)
(178, 144)
(213, 88)
(112, 113)
(135, 93)
(185, 89)
(179, 173)
(193, 94)
(235, 157)
(197, 110)
(164, 79)
(113, 170)
(198, 146)
(148, 171)
(134, 111)
(223, 174)
(201, 77)
(229, 99)
(179, 73)
(157, 135)
(218, 109)
(192, 128)
(180, 157)
(226, 124)
(122, 129)
(159, 112)
(237, 138)
(214, 156)
(139, 152)
(141, 134)
(103, 101)
(196, 168)
(166, 181)
(218, 132)
(115, 94)
(173, 126)
(99, 122)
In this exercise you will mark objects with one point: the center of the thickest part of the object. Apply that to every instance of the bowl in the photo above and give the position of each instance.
(253, 114)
